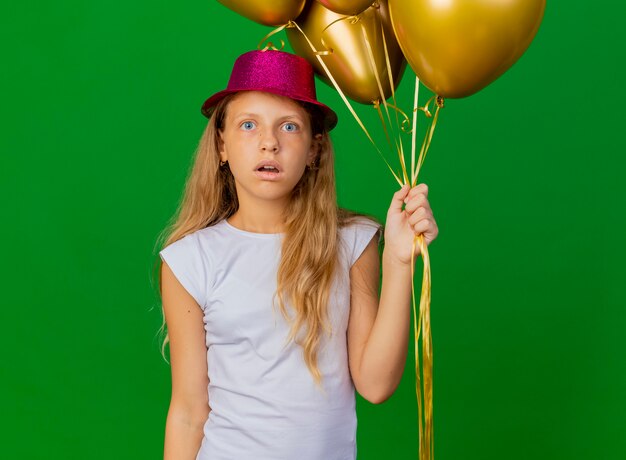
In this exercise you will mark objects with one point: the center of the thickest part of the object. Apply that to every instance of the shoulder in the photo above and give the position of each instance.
(357, 222)
(195, 243)
(354, 226)
(190, 260)
(355, 233)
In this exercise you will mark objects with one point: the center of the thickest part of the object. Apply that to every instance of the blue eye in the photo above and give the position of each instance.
(248, 125)
(290, 127)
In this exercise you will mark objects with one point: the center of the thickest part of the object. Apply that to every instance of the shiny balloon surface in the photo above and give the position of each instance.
(457, 47)
(349, 61)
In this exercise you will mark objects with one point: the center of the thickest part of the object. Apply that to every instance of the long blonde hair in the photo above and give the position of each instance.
(310, 244)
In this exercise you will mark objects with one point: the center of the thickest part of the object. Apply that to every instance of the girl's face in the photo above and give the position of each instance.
(267, 142)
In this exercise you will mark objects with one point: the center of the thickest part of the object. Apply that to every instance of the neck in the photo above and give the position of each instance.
(259, 217)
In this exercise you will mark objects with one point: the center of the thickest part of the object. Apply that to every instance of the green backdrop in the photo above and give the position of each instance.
(100, 115)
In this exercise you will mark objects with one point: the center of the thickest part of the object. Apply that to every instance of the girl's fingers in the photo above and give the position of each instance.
(419, 214)
(422, 226)
(418, 189)
(417, 202)
(398, 199)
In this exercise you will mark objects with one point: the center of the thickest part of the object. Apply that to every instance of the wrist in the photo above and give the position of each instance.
(390, 261)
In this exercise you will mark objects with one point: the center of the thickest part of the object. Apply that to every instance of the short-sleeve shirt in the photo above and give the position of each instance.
(264, 402)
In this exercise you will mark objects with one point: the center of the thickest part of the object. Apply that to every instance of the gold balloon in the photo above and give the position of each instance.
(350, 7)
(457, 47)
(267, 12)
(349, 63)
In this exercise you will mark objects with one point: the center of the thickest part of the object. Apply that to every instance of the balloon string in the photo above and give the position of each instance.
(426, 443)
(427, 354)
(425, 413)
(370, 54)
(402, 126)
(269, 44)
(416, 331)
(414, 129)
(388, 137)
(439, 101)
(345, 100)
(405, 118)
(425, 434)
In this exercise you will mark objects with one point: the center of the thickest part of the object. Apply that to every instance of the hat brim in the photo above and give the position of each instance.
(330, 117)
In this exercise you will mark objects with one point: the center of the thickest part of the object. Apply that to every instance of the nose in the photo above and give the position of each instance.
(268, 142)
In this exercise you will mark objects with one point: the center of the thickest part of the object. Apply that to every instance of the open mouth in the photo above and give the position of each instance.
(270, 169)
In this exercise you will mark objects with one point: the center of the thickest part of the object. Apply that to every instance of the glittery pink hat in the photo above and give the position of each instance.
(275, 72)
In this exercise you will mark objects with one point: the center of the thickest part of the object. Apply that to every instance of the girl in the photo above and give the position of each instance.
(269, 291)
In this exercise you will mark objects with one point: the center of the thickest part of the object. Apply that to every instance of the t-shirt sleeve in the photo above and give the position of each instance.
(359, 234)
(185, 259)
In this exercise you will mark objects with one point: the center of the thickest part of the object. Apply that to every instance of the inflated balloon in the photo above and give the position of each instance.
(267, 12)
(349, 7)
(349, 61)
(457, 47)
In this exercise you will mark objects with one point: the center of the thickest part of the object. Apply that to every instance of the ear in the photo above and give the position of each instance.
(221, 146)
(315, 150)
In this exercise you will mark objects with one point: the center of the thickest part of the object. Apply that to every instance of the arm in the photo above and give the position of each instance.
(378, 331)
(378, 334)
(189, 404)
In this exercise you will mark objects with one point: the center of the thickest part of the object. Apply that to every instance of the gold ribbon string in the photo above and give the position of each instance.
(403, 129)
(405, 121)
(405, 118)
(414, 129)
(399, 150)
(401, 126)
(416, 331)
(426, 435)
(353, 20)
(426, 439)
(345, 100)
(416, 319)
(439, 102)
(270, 45)
(426, 444)
(427, 352)
(425, 414)
(376, 106)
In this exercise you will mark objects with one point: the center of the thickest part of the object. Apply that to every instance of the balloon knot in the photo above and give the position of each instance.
(271, 46)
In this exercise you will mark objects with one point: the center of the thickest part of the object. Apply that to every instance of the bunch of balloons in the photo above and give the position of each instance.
(455, 47)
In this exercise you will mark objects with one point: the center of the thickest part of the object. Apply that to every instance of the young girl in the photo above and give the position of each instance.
(270, 292)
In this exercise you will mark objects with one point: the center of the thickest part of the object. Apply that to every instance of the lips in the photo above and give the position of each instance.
(268, 170)
(268, 166)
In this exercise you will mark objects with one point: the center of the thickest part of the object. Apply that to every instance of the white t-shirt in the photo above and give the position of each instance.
(264, 402)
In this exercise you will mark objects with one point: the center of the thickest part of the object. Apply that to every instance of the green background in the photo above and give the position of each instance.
(100, 116)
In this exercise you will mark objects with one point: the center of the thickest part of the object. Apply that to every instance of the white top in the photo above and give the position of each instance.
(264, 402)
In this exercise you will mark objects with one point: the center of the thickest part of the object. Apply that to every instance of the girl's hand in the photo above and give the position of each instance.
(403, 225)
